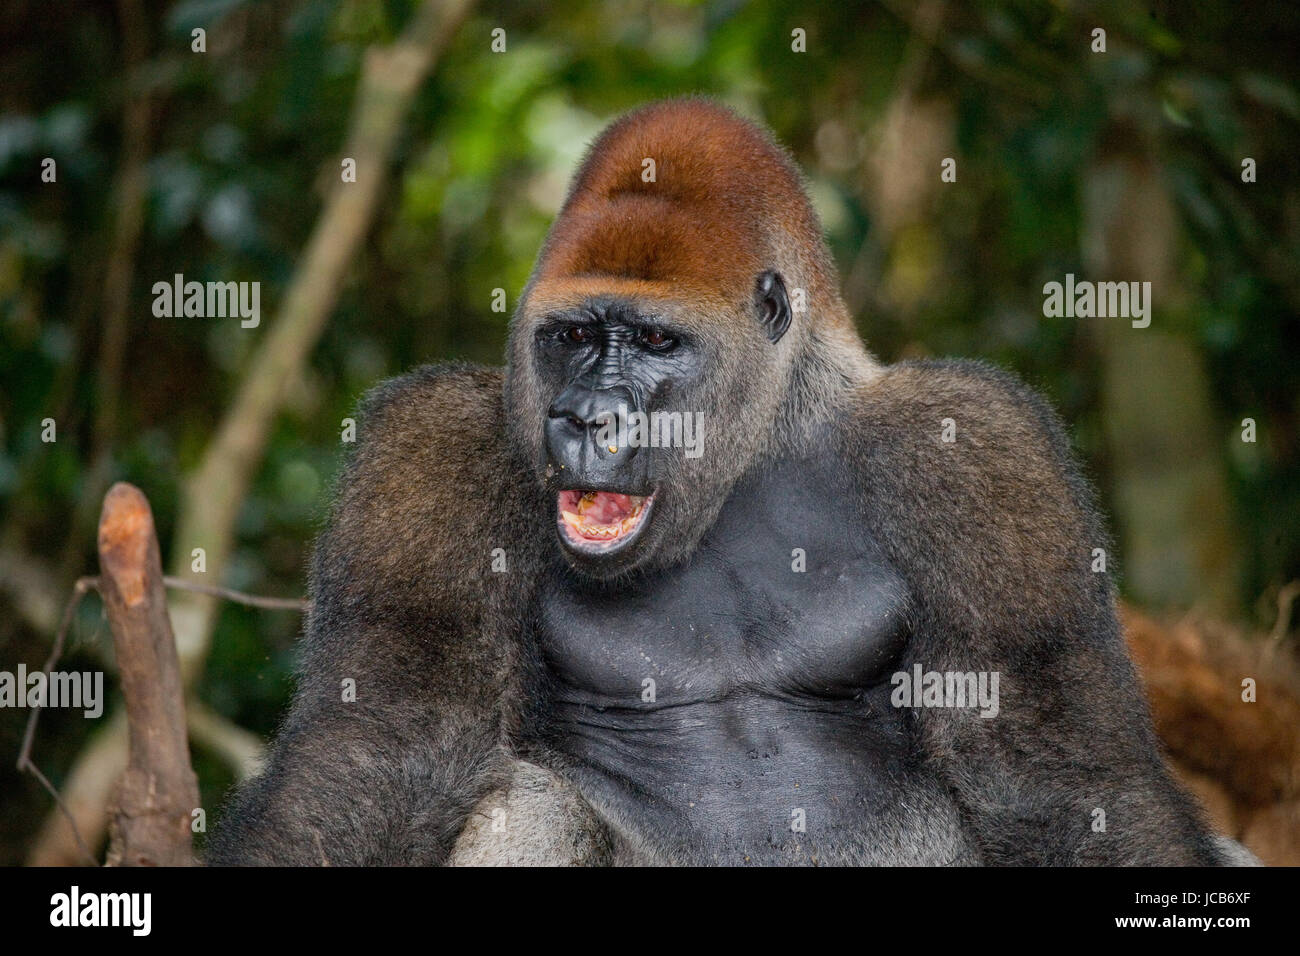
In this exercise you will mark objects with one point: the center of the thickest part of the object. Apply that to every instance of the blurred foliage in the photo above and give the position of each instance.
(244, 137)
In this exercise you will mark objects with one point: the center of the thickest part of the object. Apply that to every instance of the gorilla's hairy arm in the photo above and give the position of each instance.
(995, 534)
(405, 603)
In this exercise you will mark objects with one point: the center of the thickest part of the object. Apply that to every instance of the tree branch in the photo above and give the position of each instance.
(150, 823)
(211, 498)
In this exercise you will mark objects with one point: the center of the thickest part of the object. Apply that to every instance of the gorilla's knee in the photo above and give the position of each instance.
(536, 819)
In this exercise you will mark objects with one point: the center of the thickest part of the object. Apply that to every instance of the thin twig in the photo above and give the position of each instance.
(80, 588)
(63, 808)
(25, 765)
(88, 583)
(1003, 81)
(1285, 599)
(239, 597)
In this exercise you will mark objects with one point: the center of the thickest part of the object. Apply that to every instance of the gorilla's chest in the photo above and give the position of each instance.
(744, 686)
(767, 608)
(788, 596)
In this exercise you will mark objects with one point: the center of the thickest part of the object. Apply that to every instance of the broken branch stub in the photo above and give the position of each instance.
(149, 820)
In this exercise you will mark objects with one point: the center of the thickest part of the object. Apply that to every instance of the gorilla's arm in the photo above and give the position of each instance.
(406, 604)
(995, 532)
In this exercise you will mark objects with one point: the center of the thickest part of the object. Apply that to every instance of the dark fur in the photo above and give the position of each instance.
(993, 535)
(403, 604)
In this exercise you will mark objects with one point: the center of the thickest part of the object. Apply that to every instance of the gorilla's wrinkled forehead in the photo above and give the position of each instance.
(574, 293)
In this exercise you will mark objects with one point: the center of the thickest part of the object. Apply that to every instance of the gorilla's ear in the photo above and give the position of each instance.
(772, 304)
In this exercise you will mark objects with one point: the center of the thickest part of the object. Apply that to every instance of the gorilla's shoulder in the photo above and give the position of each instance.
(975, 418)
(427, 494)
(991, 398)
(433, 401)
(425, 439)
(970, 471)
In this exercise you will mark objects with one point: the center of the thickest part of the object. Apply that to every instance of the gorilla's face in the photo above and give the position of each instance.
(619, 383)
(643, 415)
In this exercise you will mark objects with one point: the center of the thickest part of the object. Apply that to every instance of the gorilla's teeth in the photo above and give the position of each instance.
(580, 522)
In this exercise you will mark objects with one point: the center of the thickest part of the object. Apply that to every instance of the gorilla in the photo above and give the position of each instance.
(697, 580)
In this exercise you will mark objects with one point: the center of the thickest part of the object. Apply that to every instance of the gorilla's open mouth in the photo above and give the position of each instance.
(600, 522)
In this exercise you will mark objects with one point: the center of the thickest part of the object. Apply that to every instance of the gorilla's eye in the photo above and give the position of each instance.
(578, 334)
(657, 339)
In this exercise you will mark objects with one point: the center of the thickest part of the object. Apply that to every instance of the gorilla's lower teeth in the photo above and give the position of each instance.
(576, 511)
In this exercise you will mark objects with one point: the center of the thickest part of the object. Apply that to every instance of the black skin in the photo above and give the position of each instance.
(771, 690)
(771, 693)
(610, 358)
(608, 355)
(771, 686)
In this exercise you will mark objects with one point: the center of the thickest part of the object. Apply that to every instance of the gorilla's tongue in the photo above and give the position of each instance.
(600, 514)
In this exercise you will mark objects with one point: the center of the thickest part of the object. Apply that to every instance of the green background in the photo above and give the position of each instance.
(1118, 165)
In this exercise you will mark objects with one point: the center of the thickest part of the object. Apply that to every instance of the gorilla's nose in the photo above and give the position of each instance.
(583, 433)
(590, 407)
